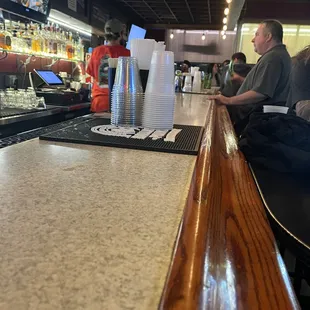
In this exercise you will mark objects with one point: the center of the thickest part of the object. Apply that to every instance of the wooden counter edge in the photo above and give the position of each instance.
(225, 255)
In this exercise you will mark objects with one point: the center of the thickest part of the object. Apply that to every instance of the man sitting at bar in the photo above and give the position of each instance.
(269, 80)
(231, 82)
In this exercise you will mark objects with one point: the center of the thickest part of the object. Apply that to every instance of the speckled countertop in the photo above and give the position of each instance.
(88, 227)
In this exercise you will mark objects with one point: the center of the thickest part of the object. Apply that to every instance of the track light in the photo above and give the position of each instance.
(225, 20)
(203, 37)
(226, 11)
(171, 35)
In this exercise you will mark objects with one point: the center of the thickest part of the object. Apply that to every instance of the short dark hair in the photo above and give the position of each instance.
(240, 56)
(186, 62)
(275, 28)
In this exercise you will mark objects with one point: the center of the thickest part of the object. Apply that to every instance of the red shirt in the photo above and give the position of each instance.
(98, 69)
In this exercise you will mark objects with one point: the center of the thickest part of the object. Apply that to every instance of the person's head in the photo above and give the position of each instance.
(238, 58)
(226, 62)
(113, 31)
(185, 66)
(303, 55)
(269, 34)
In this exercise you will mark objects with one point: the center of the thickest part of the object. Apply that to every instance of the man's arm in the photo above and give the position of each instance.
(248, 97)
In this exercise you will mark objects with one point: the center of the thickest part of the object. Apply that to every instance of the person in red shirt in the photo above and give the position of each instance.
(98, 65)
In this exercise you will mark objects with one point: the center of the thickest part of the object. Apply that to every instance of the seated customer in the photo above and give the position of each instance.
(299, 97)
(269, 80)
(186, 66)
(233, 80)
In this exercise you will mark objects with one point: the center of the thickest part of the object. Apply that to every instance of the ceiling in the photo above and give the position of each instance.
(205, 14)
(178, 12)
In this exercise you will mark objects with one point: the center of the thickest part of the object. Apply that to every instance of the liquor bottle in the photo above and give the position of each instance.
(5, 38)
(36, 41)
(26, 36)
(79, 48)
(69, 46)
(44, 34)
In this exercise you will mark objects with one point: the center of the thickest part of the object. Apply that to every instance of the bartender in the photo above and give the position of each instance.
(98, 65)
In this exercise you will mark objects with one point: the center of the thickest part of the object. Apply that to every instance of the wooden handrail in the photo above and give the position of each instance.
(226, 256)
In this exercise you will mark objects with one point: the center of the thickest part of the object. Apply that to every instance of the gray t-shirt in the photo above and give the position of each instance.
(270, 76)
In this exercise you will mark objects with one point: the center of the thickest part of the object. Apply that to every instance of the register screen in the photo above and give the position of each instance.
(49, 77)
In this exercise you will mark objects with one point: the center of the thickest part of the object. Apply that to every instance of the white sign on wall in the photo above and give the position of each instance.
(72, 5)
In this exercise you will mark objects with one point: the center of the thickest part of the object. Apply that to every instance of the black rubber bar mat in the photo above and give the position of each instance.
(187, 141)
(7, 112)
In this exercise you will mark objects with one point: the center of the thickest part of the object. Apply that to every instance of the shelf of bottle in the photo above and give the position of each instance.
(42, 55)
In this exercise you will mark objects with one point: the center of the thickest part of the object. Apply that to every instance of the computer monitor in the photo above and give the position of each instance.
(135, 33)
(49, 77)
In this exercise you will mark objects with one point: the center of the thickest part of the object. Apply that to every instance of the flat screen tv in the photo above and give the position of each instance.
(36, 10)
(135, 33)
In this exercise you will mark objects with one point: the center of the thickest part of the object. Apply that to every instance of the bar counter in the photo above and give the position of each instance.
(90, 227)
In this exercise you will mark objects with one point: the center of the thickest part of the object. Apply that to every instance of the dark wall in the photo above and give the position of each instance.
(290, 12)
(82, 13)
(156, 34)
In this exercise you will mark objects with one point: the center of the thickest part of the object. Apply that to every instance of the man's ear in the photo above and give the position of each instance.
(269, 37)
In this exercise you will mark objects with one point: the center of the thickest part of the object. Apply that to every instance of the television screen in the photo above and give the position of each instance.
(36, 5)
(135, 33)
(37, 10)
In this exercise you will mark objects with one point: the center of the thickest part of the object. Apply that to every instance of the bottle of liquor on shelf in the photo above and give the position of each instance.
(5, 38)
(79, 49)
(18, 44)
(51, 39)
(36, 42)
(69, 46)
(27, 37)
(45, 35)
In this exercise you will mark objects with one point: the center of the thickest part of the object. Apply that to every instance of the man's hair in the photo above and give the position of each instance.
(112, 36)
(240, 56)
(275, 28)
(186, 62)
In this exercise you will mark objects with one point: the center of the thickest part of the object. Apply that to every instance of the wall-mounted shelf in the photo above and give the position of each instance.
(41, 55)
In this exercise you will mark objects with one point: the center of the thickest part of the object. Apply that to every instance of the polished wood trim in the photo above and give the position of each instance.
(226, 256)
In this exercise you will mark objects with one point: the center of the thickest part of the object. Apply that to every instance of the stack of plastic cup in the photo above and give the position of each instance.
(197, 82)
(160, 46)
(127, 94)
(188, 82)
(142, 49)
(160, 92)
